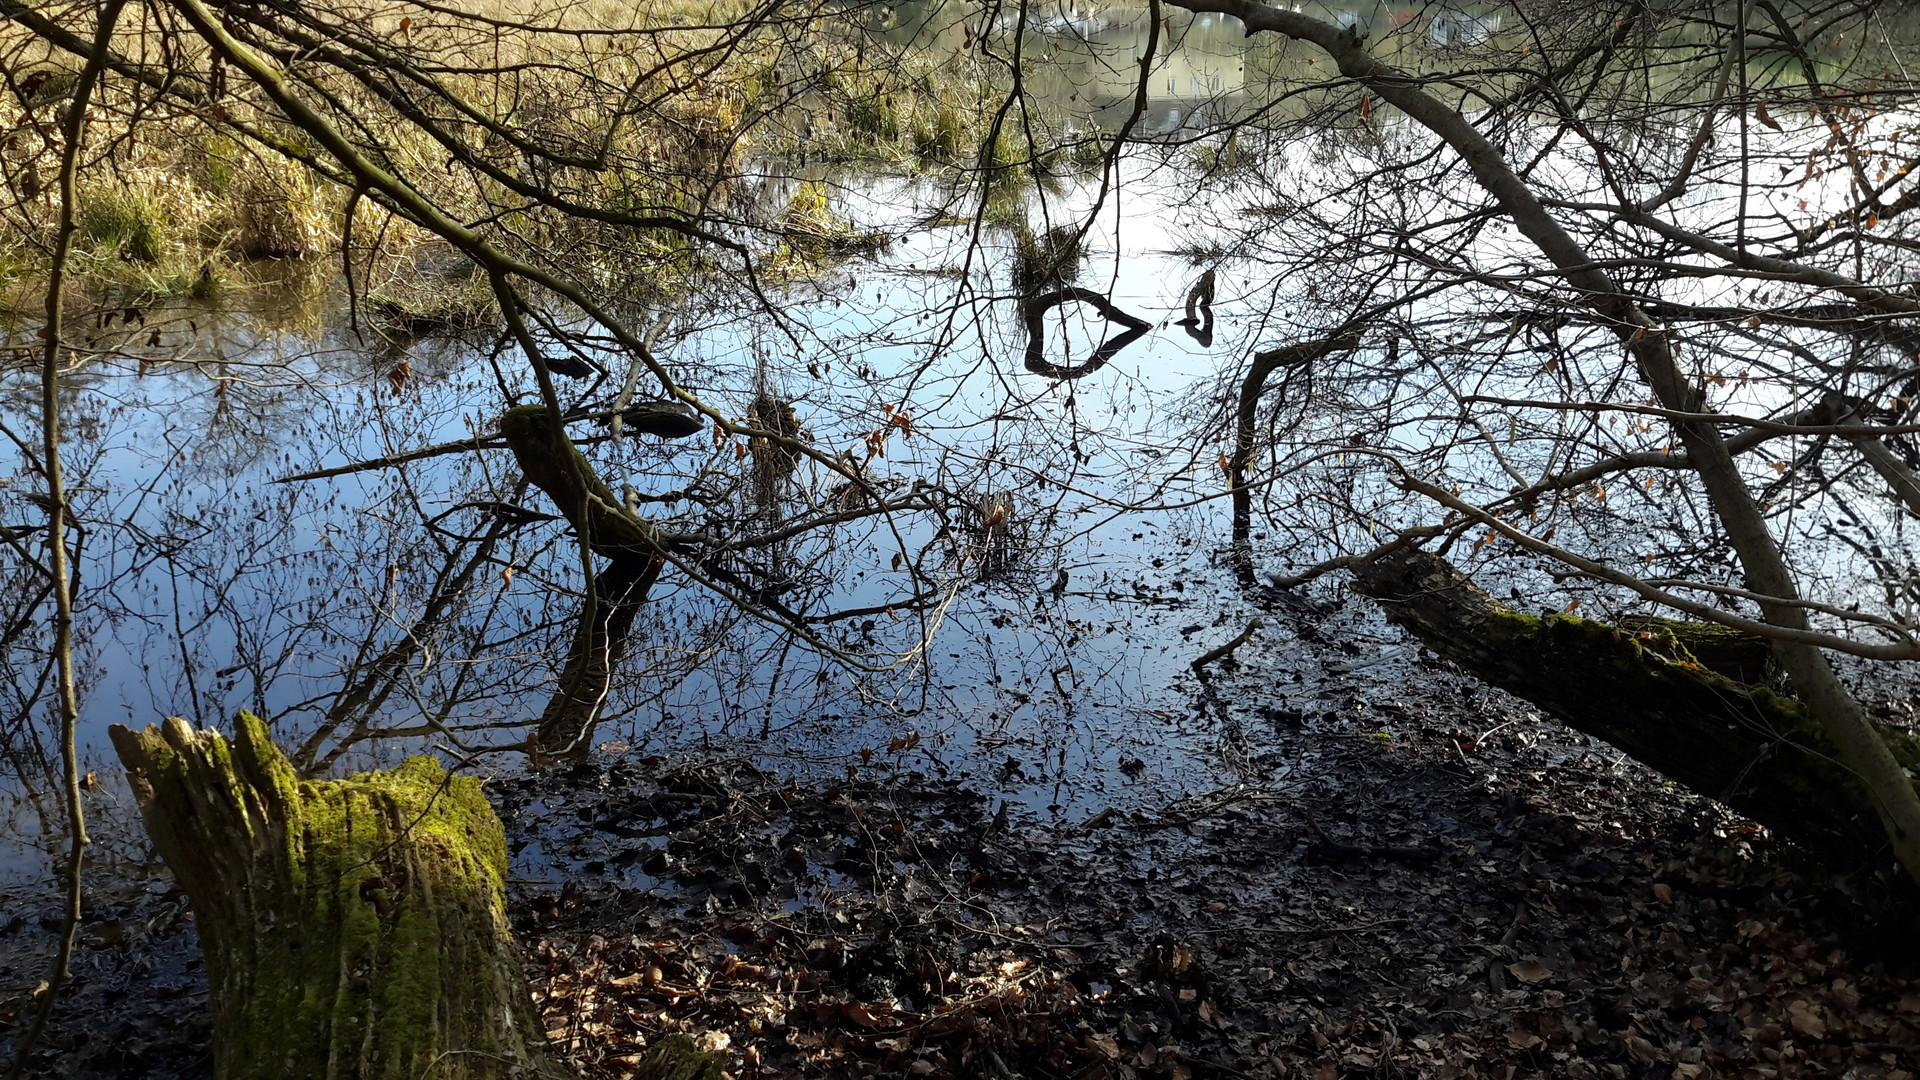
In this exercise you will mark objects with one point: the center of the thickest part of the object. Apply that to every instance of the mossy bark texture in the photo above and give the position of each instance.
(600, 642)
(556, 467)
(352, 928)
(1697, 716)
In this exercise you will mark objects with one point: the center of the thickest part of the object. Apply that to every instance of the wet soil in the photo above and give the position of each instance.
(1396, 873)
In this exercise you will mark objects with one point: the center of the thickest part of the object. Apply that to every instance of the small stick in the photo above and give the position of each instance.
(1226, 650)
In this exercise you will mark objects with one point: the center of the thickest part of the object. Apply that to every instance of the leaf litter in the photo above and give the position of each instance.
(1401, 875)
(1422, 902)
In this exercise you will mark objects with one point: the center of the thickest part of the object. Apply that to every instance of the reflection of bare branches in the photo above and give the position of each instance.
(349, 719)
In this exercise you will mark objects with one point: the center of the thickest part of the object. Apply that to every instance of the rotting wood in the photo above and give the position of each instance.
(352, 928)
(1645, 693)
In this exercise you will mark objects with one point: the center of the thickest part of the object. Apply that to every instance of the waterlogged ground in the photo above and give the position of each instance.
(1059, 853)
(1053, 851)
(1385, 870)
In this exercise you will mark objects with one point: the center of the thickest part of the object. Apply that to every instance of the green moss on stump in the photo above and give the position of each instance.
(353, 928)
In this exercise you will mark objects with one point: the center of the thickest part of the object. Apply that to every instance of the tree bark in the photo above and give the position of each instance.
(1675, 696)
(610, 529)
(559, 469)
(1246, 426)
(353, 928)
(599, 644)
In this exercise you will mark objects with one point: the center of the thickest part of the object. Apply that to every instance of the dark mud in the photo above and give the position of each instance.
(1396, 874)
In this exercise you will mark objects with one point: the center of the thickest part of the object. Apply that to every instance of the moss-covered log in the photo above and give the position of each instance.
(1662, 695)
(353, 928)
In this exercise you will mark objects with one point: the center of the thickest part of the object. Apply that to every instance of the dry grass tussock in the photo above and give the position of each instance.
(569, 133)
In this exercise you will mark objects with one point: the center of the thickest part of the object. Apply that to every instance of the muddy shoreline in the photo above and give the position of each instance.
(1396, 872)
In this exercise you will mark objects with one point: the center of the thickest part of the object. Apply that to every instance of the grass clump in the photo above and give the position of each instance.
(813, 232)
(1047, 260)
(123, 221)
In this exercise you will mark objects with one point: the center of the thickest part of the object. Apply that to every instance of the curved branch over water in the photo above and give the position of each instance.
(1033, 312)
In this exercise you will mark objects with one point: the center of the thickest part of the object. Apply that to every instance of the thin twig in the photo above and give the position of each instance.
(1208, 657)
(68, 692)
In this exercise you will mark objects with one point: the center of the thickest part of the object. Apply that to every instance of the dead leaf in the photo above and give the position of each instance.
(1642, 1050)
(1530, 971)
(1524, 1040)
(1806, 1019)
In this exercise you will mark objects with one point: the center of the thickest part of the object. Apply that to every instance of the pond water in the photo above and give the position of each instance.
(208, 587)
(402, 601)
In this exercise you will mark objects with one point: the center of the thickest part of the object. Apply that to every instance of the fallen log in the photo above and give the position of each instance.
(556, 466)
(1706, 719)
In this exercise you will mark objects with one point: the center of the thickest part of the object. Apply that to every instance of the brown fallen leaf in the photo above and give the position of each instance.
(1806, 1019)
(1642, 1050)
(1530, 971)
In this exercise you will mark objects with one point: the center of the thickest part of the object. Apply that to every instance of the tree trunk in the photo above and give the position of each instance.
(1850, 734)
(353, 928)
(1245, 427)
(611, 529)
(1674, 696)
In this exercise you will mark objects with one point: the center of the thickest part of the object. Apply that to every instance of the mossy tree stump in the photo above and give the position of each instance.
(1687, 699)
(353, 928)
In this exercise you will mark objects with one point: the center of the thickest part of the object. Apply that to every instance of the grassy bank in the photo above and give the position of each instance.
(603, 139)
